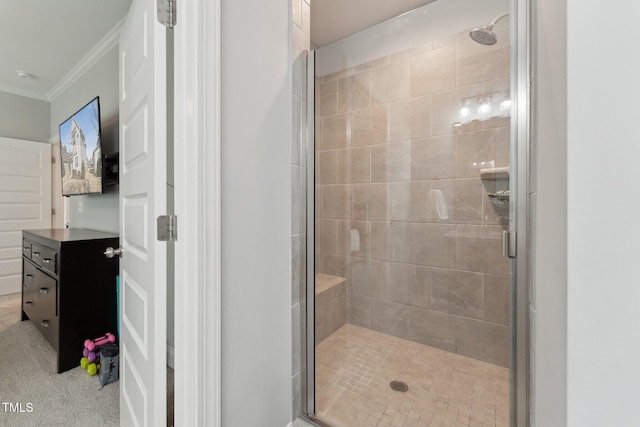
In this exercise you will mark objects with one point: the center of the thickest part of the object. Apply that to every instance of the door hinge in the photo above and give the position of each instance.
(53, 211)
(167, 13)
(509, 244)
(167, 228)
(53, 160)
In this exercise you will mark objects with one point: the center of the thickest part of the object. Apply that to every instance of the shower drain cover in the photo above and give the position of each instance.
(399, 386)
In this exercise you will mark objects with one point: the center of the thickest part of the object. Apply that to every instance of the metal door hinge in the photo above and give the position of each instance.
(167, 13)
(53, 160)
(509, 244)
(53, 211)
(167, 228)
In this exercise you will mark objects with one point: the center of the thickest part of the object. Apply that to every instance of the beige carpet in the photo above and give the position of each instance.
(29, 383)
(28, 380)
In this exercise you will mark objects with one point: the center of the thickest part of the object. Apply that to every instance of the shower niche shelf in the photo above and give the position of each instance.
(495, 173)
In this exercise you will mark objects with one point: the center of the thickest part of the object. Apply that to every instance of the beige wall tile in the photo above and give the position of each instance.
(354, 238)
(372, 64)
(433, 158)
(479, 63)
(408, 53)
(433, 245)
(410, 119)
(327, 98)
(433, 328)
(371, 202)
(359, 309)
(391, 162)
(354, 92)
(446, 110)
(497, 293)
(327, 236)
(494, 211)
(296, 140)
(354, 165)
(336, 201)
(337, 265)
(479, 248)
(335, 131)
(457, 292)
(327, 167)
(295, 338)
(391, 241)
(391, 318)
(433, 71)
(474, 149)
(467, 201)
(401, 199)
(306, 24)
(296, 12)
(420, 285)
(297, 200)
(482, 340)
(370, 126)
(391, 82)
(453, 39)
(338, 75)
(297, 241)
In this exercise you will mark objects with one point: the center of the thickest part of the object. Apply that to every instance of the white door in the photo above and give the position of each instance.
(25, 202)
(142, 198)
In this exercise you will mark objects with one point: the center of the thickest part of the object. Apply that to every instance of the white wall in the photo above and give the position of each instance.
(549, 206)
(603, 349)
(255, 209)
(97, 211)
(24, 118)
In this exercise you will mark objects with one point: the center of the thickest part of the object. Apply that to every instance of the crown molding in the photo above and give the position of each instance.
(23, 92)
(89, 60)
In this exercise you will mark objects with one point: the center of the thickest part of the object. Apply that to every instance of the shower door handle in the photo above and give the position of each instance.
(509, 243)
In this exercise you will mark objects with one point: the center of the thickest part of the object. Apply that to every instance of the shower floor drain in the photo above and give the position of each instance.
(399, 386)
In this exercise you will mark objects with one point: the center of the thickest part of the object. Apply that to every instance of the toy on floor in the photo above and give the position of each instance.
(92, 344)
(91, 352)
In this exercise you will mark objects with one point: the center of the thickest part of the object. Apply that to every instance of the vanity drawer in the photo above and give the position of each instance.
(44, 257)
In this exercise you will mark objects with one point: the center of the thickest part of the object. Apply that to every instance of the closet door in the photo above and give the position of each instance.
(25, 202)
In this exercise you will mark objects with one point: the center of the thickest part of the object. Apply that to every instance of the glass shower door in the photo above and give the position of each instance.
(412, 292)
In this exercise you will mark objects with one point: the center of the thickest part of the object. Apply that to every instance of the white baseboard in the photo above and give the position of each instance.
(171, 357)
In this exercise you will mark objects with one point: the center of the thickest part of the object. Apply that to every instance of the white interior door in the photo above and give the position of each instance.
(142, 198)
(25, 202)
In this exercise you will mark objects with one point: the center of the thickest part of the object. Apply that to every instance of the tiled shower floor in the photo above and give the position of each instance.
(354, 367)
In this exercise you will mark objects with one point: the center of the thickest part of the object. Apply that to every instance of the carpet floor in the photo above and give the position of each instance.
(33, 394)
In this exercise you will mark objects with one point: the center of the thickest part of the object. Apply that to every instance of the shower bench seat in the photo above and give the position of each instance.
(331, 305)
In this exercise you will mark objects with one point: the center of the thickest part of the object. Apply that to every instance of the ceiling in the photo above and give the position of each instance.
(47, 39)
(332, 20)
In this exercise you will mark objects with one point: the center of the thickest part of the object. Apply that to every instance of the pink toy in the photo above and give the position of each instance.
(91, 344)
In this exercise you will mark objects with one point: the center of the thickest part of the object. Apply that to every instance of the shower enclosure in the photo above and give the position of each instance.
(414, 305)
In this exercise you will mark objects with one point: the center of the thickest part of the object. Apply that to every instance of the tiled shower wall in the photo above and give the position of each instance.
(401, 209)
(300, 42)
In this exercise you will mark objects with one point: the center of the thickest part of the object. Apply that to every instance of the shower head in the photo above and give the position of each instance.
(484, 34)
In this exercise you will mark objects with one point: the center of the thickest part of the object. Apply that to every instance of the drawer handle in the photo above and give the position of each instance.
(44, 290)
(36, 254)
(28, 303)
(29, 276)
(47, 260)
(45, 323)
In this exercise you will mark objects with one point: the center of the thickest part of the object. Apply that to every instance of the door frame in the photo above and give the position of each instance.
(197, 206)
